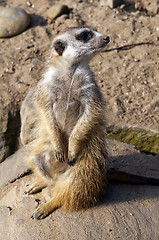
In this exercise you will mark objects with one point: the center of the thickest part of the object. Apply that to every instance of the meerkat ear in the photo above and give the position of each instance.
(59, 46)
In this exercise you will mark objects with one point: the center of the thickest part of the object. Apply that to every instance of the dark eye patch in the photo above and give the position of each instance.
(85, 36)
(59, 46)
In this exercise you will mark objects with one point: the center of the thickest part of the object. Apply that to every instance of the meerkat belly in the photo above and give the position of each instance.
(67, 115)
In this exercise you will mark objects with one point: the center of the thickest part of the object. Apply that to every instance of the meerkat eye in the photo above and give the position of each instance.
(84, 36)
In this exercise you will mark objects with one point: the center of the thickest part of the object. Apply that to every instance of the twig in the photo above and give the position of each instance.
(129, 46)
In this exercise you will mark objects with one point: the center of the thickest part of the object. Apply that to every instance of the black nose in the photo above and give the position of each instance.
(106, 39)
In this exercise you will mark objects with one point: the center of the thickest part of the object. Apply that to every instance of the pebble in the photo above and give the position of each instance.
(138, 5)
(111, 3)
(12, 21)
(57, 10)
(152, 7)
(29, 4)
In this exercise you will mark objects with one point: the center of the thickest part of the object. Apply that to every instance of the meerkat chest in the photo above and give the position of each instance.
(67, 106)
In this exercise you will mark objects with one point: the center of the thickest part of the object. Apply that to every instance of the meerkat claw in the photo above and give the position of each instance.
(71, 161)
(60, 157)
(38, 214)
(34, 188)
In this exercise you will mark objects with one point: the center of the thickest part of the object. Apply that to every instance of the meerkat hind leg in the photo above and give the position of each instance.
(59, 194)
(35, 187)
(47, 208)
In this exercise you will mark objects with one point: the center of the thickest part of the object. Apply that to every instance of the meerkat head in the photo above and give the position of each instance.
(79, 43)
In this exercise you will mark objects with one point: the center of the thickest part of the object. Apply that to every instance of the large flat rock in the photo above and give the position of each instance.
(13, 167)
(126, 212)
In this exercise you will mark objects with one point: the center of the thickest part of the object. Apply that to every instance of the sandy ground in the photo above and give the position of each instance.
(129, 79)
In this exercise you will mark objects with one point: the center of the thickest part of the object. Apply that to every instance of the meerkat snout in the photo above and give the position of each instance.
(106, 39)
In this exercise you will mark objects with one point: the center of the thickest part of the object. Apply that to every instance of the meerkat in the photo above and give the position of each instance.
(69, 151)
(63, 125)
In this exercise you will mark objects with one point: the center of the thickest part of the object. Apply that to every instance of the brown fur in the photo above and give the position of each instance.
(68, 150)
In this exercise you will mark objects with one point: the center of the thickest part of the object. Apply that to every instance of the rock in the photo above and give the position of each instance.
(57, 10)
(4, 148)
(12, 21)
(111, 3)
(122, 204)
(13, 167)
(9, 129)
(144, 139)
(138, 5)
(152, 8)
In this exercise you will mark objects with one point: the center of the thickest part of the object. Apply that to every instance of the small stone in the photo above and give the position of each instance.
(12, 21)
(10, 70)
(29, 4)
(111, 3)
(57, 10)
(138, 5)
(152, 8)
(122, 6)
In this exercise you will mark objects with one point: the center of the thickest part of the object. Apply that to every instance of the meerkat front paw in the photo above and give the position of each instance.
(71, 158)
(71, 161)
(60, 156)
(73, 150)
